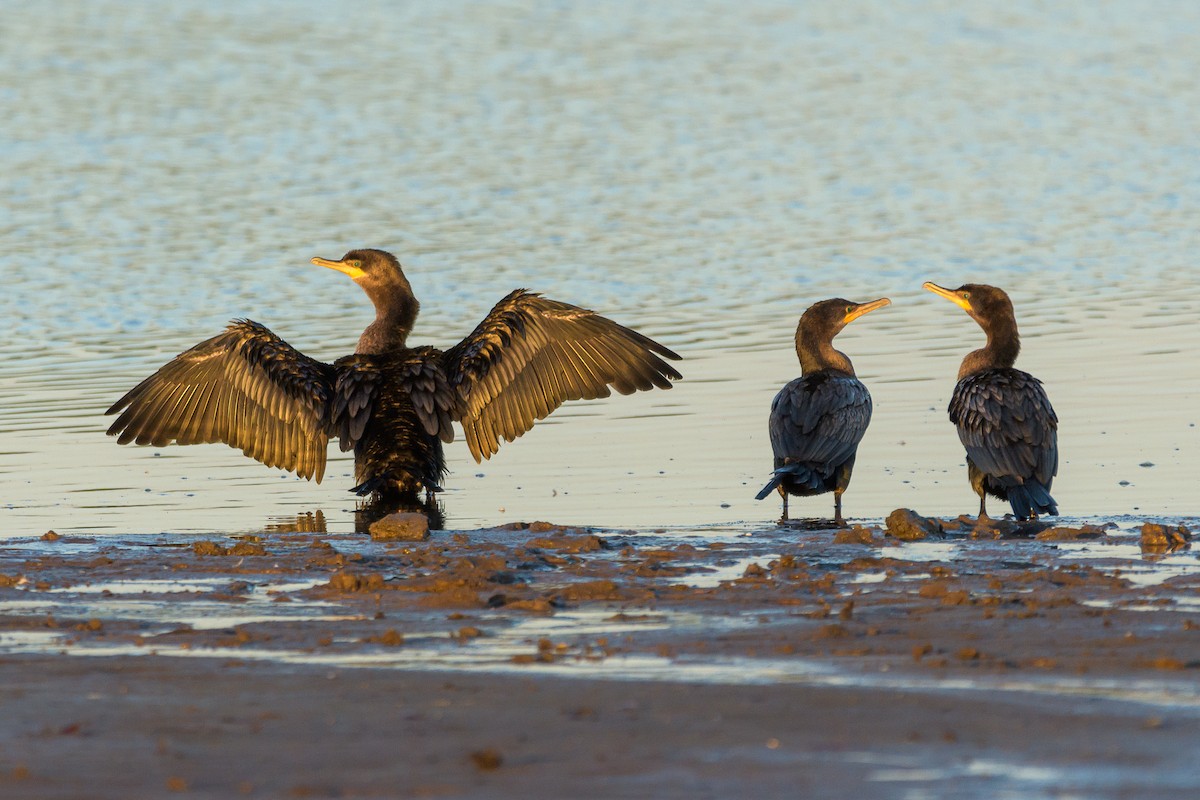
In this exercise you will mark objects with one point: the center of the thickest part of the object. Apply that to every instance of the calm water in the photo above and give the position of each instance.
(700, 171)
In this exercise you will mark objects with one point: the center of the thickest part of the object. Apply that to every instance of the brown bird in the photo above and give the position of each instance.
(391, 403)
(818, 419)
(1003, 416)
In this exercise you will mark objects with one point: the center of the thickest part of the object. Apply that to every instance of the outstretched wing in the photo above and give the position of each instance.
(1007, 425)
(531, 354)
(247, 388)
(819, 419)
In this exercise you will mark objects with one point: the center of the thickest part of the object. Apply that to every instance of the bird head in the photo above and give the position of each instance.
(986, 304)
(378, 273)
(365, 267)
(832, 316)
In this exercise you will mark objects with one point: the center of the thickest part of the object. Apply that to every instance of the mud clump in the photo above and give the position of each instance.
(352, 582)
(536, 605)
(1065, 534)
(834, 631)
(451, 596)
(401, 527)
(534, 527)
(592, 590)
(389, 638)
(856, 535)
(1165, 537)
(487, 760)
(564, 543)
(210, 548)
(907, 525)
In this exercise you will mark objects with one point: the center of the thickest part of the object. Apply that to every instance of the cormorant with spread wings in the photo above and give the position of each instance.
(391, 403)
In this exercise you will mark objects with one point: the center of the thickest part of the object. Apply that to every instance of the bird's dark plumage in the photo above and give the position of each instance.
(392, 404)
(818, 419)
(1003, 416)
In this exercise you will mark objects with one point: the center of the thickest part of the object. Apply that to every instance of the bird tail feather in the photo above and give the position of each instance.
(1031, 498)
(795, 474)
(770, 487)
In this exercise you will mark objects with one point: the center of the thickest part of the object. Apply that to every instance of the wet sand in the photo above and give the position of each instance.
(555, 662)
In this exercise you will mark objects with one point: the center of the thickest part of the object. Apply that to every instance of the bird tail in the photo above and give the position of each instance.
(385, 484)
(771, 486)
(794, 474)
(1031, 498)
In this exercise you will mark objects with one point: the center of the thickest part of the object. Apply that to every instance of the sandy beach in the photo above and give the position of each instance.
(552, 662)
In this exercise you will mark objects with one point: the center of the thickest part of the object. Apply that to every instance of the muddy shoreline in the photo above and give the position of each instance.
(560, 661)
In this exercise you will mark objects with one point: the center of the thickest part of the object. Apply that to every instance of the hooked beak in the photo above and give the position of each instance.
(865, 308)
(354, 272)
(949, 294)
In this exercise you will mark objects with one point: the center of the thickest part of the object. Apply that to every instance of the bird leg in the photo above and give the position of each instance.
(983, 507)
(837, 509)
(783, 494)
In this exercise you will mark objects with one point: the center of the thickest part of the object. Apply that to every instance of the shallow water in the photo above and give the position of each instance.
(700, 171)
(155, 616)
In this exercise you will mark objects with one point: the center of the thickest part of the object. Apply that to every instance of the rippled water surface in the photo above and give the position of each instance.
(700, 171)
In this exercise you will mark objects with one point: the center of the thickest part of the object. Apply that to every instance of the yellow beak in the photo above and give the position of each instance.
(354, 272)
(949, 294)
(866, 308)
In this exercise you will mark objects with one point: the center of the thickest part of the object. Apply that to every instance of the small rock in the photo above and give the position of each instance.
(208, 548)
(1065, 534)
(389, 638)
(488, 759)
(51, 536)
(907, 525)
(834, 631)
(856, 535)
(565, 543)
(401, 527)
(1170, 536)
(353, 582)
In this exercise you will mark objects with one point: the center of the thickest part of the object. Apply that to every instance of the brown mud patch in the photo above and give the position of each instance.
(1044, 611)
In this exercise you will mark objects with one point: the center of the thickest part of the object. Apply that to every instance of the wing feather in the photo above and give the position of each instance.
(246, 388)
(1007, 425)
(819, 420)
(532, 354)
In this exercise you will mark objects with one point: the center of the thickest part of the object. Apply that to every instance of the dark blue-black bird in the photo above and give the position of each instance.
(818, 419)
(391, 403)
(1003, 416)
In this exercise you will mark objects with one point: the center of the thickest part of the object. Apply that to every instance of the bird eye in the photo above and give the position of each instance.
(356, 264)
(966, 295)
(849, 309)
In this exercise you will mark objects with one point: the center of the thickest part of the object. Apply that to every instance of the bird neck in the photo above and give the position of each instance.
(395, 315)
(820, 354)
(1000, 352)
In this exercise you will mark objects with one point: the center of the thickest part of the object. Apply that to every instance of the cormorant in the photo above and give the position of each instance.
(1003, 416)
(818, 419)
(392, 403)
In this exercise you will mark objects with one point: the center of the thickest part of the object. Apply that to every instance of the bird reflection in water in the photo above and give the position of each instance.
(364, 516)
(372, 511)
(308, 522)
